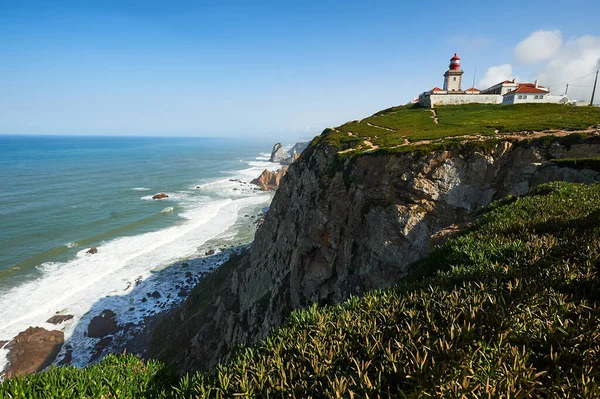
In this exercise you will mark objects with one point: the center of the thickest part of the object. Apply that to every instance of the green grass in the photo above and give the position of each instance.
(508, 308)
(592, 163)
(415, 123)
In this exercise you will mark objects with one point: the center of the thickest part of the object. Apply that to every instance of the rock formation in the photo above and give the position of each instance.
(160, 196)
(59, 318)
(295, 152)
(340, 227)
(92, 250)
(102, 325)
(33, 350)
(278, 154)
(270, 180)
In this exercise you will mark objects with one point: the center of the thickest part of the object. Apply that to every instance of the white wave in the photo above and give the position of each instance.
(72, 245)
(141, 189)
(212, 183)
(168, 209)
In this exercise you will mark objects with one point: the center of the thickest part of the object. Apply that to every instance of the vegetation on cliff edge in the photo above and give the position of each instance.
(399, 125)
(508, 308)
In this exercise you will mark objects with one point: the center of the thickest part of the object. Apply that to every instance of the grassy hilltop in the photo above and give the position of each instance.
(402, 125)
(510, 307)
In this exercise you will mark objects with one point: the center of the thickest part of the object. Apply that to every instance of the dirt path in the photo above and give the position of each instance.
(434, 117)
(466, 138)
(380, 127)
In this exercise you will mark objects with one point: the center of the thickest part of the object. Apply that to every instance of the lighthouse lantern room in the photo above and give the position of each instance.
(453, 76)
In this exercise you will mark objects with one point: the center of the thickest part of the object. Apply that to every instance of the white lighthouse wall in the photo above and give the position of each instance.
(456, 99)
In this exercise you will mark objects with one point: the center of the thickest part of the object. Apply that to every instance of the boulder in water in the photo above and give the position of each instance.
(92, 250)
(103, 324)
(33, 350)
(210, 252)
(160, 196)
(59, 318)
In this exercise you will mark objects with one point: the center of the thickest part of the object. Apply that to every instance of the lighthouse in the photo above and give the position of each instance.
(453, 76)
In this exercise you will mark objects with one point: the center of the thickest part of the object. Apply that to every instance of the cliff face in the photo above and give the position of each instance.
(336, 229)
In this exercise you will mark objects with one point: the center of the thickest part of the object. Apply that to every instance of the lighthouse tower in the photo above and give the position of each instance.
(453, 76)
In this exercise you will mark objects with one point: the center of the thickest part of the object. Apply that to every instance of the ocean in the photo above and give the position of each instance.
(62, 195)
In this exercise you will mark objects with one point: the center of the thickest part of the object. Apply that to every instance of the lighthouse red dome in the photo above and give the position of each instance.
(455, 63)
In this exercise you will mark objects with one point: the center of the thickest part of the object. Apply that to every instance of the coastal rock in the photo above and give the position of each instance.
(68, 357)
(59, 318)
(33, 350)
(210, 252)
(92, 250)
(160, 196)
(296, 150)
(278, 154)
(270, 180)
(99, 348)
(102, 325)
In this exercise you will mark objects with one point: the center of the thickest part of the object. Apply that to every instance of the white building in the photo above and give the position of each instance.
(527, 93)
(507, 92)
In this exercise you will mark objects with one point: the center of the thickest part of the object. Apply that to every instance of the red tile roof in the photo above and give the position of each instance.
(472, 89)
(436, 89)
(527, 88)
(532, 85)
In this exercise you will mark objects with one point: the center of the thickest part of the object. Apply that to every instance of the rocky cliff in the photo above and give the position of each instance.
(342, 225)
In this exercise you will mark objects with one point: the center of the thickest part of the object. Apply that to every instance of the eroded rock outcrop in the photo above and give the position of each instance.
(337, 228)
(269, 180)
(278, 153)
(33, 350)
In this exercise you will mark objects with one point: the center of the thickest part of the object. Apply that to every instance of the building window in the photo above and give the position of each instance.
(524, 97)
(519, 97)
(454, 78)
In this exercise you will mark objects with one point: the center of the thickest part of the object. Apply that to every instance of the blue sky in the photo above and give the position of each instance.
(242, 68)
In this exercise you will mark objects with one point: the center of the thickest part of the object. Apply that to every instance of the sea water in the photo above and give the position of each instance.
(62, 195)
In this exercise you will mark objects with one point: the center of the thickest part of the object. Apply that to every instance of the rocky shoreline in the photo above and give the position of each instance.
(36, 348)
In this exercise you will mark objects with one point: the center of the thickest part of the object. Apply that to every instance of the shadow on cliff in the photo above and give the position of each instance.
(123, 320)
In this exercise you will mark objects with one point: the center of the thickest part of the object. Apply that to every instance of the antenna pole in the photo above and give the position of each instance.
(567, 89)
(594, 90)
(473, 87)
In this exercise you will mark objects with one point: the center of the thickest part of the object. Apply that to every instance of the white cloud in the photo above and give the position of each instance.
(574, 63)
(539, 46)
(496, 74)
